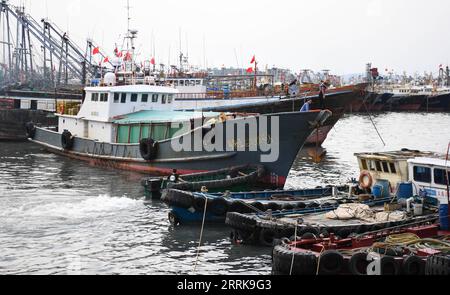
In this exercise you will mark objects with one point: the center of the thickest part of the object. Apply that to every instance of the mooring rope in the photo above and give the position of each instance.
(201, 233)
(293, 252)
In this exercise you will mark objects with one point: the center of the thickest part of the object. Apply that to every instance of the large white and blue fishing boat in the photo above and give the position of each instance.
(135, 128)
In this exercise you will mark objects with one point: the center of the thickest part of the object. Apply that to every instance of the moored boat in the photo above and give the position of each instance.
(134, 128)
(228, 179)
(189, 207)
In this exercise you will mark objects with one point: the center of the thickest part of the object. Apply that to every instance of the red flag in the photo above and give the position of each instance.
(96, 51)
(253, 59)
(119, 54)
(106, 59)
(116, 51)
(127, 56)
(152, 61)
(250, 70)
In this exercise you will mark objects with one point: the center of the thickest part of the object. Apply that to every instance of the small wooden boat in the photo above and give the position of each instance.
(228, 179)
(189, 207)
(410, 250)
(264, 229)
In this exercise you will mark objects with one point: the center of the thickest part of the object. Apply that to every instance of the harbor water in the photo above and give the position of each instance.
(60, 216)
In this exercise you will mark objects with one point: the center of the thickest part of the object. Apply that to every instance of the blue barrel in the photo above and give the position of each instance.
(443, 217)
(377, 191)
(384, 191)
(405, 190)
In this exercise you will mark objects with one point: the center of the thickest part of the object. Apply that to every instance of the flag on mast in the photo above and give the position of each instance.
(253, 59)
(96, 51)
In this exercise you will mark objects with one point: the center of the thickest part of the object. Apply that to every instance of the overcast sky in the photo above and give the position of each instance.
(340, 35)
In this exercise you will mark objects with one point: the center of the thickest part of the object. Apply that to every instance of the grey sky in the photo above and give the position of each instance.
(340, 35)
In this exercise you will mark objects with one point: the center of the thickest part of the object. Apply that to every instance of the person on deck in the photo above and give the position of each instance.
(307, 106)
(322, 92)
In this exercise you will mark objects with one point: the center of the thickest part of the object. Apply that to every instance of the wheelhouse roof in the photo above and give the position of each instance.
(430, 162)
(404, 154)
(134, 89)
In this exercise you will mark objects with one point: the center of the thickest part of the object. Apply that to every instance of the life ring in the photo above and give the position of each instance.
(67, 140)
(31, 130)
(148, 148)
(362, 183)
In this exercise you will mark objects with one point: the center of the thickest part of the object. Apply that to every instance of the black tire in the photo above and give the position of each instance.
(259, 206)
(308, 229)
(438, 265)
(273, 207)
(239, 207)
(358, 264)
(312, 205)
(288, 207)
(389, 266)
(173, 219)
(331, 262)
(218, 206)
(30, 130)
(304, 263)
(66, 140)
(240, 221)
(413, 266)
(267, 237)
(177, 198)
(148, 149)
(301, 205)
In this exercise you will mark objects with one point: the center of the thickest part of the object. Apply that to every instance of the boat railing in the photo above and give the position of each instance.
(225, 95)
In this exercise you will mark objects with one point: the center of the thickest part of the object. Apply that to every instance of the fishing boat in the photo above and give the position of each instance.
(421, 249)
(134, 128)
(412, 179)
(189, 207)
(227, 179)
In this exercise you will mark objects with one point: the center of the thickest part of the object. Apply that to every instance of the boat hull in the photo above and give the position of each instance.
(128, 157)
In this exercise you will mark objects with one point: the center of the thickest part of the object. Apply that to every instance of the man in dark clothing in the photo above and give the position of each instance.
(322, 92)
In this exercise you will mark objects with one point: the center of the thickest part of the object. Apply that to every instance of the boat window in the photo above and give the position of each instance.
(422, 174)
(94, 97)
(104, 97)
(378, 163)
(198, 82)
(163, 100)
(385, 167)
(116, 97)
(123, 98)
(393, 169)
(192, 82)
(175, 82)
(181, 82)
(186, 83)
(439, 176)
(144, 98)
(134, 97)
(372, 165)
(170, 98)
(364, 165)
(155, 98)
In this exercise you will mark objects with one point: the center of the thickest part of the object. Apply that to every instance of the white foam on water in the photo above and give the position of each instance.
(88, 208)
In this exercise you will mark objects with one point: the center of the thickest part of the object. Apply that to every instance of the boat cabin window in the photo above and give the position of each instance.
(144, 98)
(104, 97)
(422, 174)
(94, 97)
(181, 82)
(439, 176)
(198, 82)
(123, 98)
(378, 165)
(155, 98)
(186, 83)
(163, 100)
(175, 82)
(385, 167)
(192, 82)
(116, 97)
(170, 98)
(364, 165)
(393, 169)
(134, 97)
(372, 166)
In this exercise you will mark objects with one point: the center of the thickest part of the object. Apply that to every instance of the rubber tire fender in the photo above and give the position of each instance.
(267, 237)
(66, 140)
(413, 266)
(176, 198)
(30, 130)
(358, 264)
(148, 149)
(389, 266)
(218, 206)
(331, 262)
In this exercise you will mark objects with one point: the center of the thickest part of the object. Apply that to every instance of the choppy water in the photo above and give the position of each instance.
(58, 216)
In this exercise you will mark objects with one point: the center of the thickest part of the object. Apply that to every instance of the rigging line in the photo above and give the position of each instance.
(373, 123)
(201, 232)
